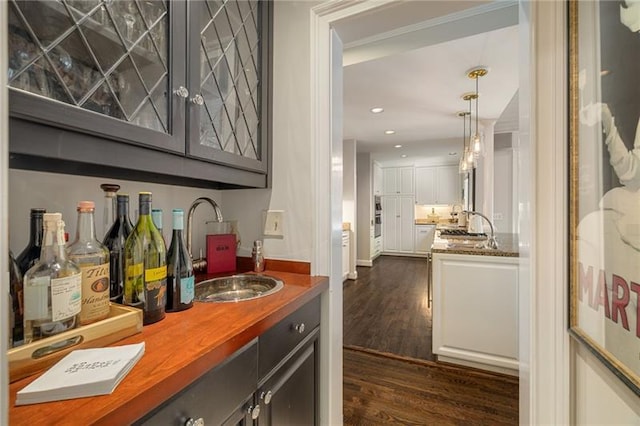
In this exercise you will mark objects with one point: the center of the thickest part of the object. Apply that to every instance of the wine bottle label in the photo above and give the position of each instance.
(66, 297)
(155, 283)
(36, 296)
(187, 289)
(95, 293)
(134, 286)
(155, 274)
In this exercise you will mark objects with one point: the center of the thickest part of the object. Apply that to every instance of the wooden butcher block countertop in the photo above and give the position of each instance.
(178, 350)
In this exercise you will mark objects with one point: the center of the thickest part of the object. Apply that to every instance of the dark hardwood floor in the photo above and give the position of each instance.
(390, 372)
(385, 309)
(384, 389)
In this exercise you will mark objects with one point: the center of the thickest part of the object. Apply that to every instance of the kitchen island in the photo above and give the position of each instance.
(475, 303)
(179, 350)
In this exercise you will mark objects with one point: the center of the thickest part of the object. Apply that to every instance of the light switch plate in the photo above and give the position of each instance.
(273, 221)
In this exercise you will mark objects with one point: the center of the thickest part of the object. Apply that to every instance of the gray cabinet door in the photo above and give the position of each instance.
(290, 395)
(229, 78)
(106, 68)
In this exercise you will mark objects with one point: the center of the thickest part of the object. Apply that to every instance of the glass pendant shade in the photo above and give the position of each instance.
(477, 145)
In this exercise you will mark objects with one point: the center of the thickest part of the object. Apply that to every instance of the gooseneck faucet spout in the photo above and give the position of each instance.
(192, 209)
(491, 240)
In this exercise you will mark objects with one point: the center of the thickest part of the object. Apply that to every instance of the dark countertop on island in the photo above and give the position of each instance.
(507, 246)
(178, 350)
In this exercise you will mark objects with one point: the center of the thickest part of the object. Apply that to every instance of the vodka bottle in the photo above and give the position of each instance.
(52, 287)
(93, 259)
(180, 278)
(146, 266)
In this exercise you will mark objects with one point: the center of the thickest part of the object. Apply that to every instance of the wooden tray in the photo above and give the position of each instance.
(25, 360)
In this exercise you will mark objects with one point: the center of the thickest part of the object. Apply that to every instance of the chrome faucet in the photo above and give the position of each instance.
(200, 264)
(491, 242)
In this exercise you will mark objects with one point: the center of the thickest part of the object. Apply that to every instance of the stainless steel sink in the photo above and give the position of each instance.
(236, 288)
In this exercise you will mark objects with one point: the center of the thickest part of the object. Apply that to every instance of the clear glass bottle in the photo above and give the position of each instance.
(109, 215)
(146, 266)
(93, 259)
(114, 241)
(31, 253)
(180, 278)
(52, 287)
(16, 301)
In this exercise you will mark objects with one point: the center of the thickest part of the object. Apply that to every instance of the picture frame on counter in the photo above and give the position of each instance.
(604, 183)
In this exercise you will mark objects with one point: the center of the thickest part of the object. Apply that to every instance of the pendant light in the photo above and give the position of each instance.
(463, 168)
(476, 143)
(468, 153)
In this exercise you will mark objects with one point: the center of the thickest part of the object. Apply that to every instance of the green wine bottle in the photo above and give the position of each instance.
(146, 266)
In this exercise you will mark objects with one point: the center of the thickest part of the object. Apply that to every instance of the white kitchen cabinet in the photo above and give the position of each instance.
(437, 185)
(475, 311)
(377, 179)
(398, 223)
(345, 254)
(398, 181)
(424, 238)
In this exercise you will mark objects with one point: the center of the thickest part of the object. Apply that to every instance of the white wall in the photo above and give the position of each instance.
(61, 193)
(349, 182)
(503, 190)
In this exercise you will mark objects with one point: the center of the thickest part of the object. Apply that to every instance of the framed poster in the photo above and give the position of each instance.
(604, 195)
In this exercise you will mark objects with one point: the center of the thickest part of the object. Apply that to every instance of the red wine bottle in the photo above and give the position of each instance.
(31, 253)
(16, 326)
(114, 241)
(180, 279)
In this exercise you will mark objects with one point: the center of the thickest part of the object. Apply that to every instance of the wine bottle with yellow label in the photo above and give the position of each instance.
(145, 264)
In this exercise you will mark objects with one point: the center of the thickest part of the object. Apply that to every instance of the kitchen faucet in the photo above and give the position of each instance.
(491, 242)
(200, 264)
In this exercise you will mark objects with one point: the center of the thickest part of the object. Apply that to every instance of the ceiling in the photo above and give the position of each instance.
(416, 69)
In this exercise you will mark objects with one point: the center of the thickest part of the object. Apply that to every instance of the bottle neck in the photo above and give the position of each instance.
(123, 210)
(86, 227)
(36, 232)
(53, 245)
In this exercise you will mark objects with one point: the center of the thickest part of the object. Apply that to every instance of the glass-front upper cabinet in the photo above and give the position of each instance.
(103, 65)
(229, 74)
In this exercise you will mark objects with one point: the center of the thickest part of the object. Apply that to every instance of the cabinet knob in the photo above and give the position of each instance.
(197, 422)
(181, 92)
(299, 328)
(197, 100)
(266, 397)
(254, 412)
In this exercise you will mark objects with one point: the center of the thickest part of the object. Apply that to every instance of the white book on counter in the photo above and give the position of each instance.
(82, 373)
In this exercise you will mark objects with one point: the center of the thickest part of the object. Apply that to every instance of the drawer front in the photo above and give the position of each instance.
(216, 395)
(277, 342)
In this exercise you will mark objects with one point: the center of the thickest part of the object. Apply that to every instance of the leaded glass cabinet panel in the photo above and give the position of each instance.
(108, 57)
(228, 83)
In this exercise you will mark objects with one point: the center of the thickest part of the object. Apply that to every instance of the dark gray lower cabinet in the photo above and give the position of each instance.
(273, 380)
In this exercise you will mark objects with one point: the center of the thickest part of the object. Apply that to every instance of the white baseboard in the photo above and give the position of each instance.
(362, 262)
(352, 275)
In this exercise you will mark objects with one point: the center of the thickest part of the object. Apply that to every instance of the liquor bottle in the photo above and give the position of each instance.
(145, 265)
(31, 253)
(114, 241)
(16, 326)
(52, 287)
(92, 257)
(109, 212)
(180, 278)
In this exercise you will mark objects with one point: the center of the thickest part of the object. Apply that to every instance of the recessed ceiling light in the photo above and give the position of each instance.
(404, 156)
(389, 132)
(397, 146)
(453, 153)
(377, 110)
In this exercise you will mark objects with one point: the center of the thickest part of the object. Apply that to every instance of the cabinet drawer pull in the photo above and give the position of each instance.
(197, 100)
(299, 327)
(266, 397)
(181, 92)
(254, 412)
(197, 422)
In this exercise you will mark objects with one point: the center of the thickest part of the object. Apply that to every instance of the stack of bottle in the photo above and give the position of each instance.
(55, 287)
